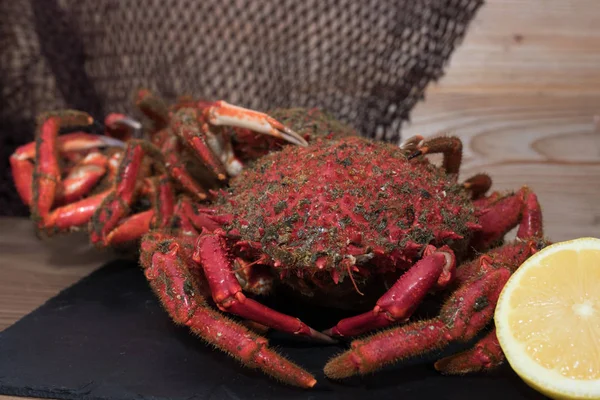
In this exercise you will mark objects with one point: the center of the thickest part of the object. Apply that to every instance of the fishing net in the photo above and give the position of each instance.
(366, 62)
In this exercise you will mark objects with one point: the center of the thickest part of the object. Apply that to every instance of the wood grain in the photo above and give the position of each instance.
(528, 46)
(522, 91)
(548, 144)
(34, 270)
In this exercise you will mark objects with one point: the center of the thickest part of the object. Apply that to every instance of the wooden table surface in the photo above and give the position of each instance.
(522, 91)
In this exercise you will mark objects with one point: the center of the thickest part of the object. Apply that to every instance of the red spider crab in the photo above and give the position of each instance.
(105, 183)
(341, 221)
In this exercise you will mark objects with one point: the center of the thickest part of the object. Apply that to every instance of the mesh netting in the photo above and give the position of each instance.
(367, 63)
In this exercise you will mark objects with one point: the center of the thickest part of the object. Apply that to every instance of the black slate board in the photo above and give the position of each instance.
(107, 337)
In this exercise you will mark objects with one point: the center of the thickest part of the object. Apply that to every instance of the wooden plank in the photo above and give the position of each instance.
(34, 270)
(533, 46)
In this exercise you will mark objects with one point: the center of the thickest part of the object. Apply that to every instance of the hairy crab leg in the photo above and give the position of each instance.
(485, 355)
(186, 126)
(163, 201)
(503, 213)
(130, 228)
(212, 255)
(178, 171)
(74, 214)
(449, 146)
(118, 203)
(222, 113)
(162, 238)
(186, 250)
(215, 150)
(401, 300)
(522, 209)
(47, 175)
(192, 220)
(175, 286)
(82, 178)
(133, 227)
(478, 185)
(48, 189)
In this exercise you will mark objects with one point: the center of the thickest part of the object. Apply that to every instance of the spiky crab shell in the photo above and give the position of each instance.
(346, 203)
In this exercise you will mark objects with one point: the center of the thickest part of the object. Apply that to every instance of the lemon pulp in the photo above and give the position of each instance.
(548, 319)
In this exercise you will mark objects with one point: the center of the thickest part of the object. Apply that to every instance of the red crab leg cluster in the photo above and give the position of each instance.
(23, 169)
(118, 202)
(41, 185)
(466, 312)
(166, 270)
(82, 180)
(189, 127)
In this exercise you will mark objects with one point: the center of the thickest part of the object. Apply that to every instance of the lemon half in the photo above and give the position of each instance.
(548, 320)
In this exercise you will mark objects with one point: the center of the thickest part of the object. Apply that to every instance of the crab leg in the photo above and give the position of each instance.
(117, 204)
(22, 172)
(478, 185)
(464, 314)
(177, 169)
(215, 150)
(46, 169)
(74, 214)
(450, 146)
(485, 355)
(501, 214)
(197, 138)
(23, 168)
(132, 228)
(222, 113)
(192, 220)
(164, 201)
(82, 178)
(211, 253)
(400, 301)
(185, 125)
(172, 281)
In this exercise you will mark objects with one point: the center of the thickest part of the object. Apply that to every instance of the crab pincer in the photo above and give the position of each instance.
(222, 113)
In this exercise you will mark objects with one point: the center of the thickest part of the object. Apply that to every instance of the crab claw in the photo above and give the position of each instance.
(223, 113)
(122, 126)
